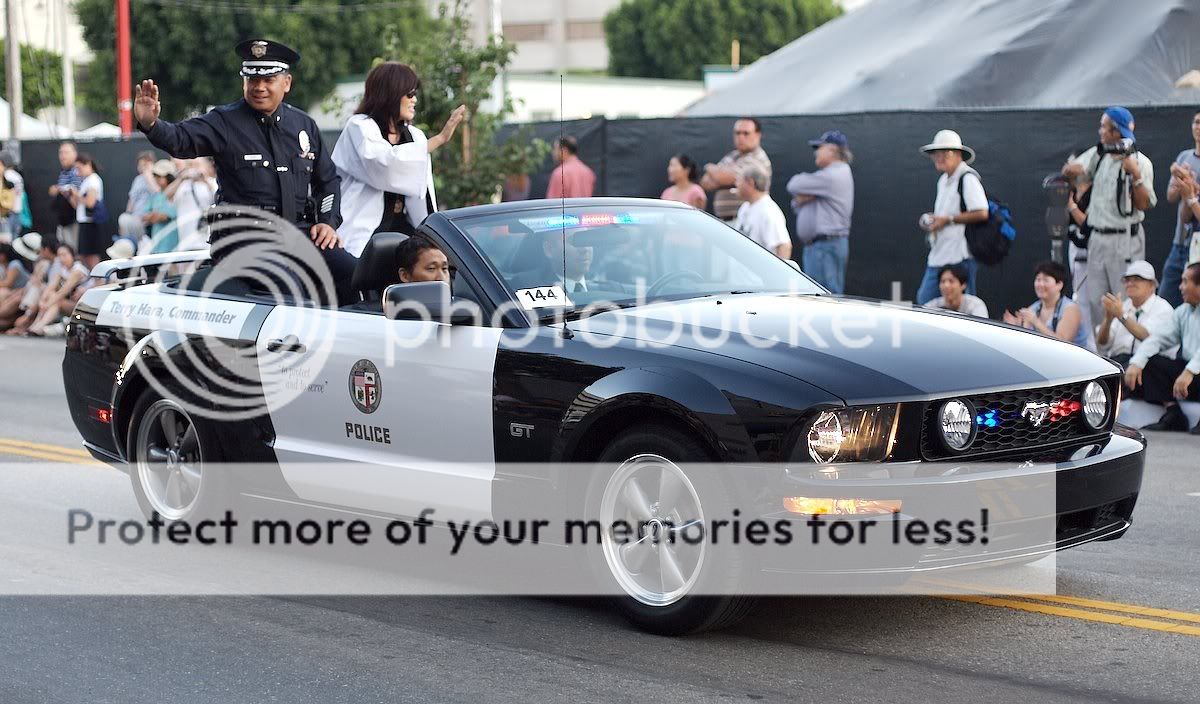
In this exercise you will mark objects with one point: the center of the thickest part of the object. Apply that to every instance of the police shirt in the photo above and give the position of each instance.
(267, 161)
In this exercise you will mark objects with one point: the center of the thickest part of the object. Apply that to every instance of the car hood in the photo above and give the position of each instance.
(860, 351)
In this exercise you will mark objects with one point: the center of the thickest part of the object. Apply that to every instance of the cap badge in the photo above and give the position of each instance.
(258, 49)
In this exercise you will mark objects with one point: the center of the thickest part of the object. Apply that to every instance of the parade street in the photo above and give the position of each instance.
(1125, 625)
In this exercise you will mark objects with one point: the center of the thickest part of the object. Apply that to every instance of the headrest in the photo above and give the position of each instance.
(376, 268)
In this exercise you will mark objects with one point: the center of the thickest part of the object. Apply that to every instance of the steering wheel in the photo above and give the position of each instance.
(669, 278)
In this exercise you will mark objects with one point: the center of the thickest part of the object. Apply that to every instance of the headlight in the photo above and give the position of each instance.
(1095, 404)
(864, 434)
(956, 420)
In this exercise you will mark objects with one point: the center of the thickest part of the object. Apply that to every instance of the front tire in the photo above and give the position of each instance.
(670, 588)
(175, 461)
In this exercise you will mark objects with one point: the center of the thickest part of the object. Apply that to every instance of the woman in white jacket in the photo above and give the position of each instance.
(383, 160)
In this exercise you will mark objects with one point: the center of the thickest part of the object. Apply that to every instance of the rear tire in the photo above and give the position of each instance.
(697, 585)
(175, 462)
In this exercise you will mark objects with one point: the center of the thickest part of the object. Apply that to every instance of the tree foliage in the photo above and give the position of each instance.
(455, 71)
(676, 38)
(186, 46)
(41, 78)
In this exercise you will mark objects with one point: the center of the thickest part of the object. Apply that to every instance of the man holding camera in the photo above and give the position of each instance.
(1122, 191)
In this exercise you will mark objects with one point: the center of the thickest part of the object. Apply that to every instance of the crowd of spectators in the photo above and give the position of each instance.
(1107, 301)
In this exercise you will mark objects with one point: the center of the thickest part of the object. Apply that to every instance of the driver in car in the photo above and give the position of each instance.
(418, 259)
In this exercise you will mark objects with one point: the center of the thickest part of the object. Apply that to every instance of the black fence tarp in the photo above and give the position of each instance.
(894, 181)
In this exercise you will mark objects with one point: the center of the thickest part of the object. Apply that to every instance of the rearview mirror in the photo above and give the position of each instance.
(428, 300)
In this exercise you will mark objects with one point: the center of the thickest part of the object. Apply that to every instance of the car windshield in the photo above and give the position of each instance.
(555, 258)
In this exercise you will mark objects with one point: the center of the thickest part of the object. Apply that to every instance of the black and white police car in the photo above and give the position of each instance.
(709, 349)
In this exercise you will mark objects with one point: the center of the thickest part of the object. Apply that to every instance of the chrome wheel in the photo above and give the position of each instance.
(169, 460)
(659, 560)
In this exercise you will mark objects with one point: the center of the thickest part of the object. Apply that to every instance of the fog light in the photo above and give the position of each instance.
(957, 422)
(1095, 404)
(840, 507)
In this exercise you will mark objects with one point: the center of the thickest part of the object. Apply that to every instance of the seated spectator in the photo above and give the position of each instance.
(32, 247)
(683, 174)
(1129, 323)
(418, 259)
(1169, 381)
(13, 274)
(952, 282)
(759, 217)
(160, 212)
(131, 224)
(57, 297)
(1052, 313)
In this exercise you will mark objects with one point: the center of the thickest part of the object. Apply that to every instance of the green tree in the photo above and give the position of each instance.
(186, 46)
(676, 38)
(41, 78)
(455, 71)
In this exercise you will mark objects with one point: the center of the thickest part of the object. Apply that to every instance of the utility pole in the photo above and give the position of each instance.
(68, 65)
(12, 71)
(124, 75)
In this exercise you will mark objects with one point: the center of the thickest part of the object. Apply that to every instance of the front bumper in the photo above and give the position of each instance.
(1067, 498)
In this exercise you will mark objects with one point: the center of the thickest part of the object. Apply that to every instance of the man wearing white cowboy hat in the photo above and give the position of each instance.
(945, 225)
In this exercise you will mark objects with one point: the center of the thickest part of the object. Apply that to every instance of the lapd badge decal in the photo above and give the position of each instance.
(304, 143)
(366, 386)
(258, 49)
(1036, 413)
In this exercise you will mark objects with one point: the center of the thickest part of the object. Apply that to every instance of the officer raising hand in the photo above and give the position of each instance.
(268, 154)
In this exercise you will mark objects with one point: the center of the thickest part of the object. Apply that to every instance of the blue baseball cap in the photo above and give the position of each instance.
(830, 137)
(1123, 119)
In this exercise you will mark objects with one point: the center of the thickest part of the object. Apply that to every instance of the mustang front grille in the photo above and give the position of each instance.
(1019, 421)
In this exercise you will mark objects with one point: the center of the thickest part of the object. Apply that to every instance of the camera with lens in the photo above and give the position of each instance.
(1124, 147)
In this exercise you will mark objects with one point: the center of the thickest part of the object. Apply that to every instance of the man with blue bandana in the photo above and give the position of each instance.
(1122, 191)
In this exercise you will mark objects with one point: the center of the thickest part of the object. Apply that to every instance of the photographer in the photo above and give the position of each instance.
(1122, 190)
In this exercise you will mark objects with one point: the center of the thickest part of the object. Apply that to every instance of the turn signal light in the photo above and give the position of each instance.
(841, 507)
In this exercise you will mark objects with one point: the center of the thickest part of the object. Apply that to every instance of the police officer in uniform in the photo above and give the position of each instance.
(268, 154)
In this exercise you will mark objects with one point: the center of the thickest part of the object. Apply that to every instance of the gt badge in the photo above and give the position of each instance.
(366, 386)
(304, 142)
(520, 430)
(1036, 413)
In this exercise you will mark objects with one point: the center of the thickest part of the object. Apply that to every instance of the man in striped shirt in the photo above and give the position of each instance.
(722, 176)
(68, 180)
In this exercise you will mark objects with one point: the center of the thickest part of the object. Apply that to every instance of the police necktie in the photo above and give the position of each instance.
(281, 158)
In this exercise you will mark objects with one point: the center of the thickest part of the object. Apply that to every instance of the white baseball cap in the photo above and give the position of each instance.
(121, 249)
(1141, 269)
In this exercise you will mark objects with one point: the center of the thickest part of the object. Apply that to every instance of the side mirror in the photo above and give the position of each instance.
(428, 300)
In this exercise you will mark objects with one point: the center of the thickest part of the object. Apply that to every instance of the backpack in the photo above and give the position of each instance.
(988, 241)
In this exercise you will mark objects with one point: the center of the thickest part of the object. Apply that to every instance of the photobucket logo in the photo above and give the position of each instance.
(207, 352)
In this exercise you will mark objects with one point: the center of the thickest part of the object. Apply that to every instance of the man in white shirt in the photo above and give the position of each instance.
(1122, 192)
(759, 218)
(946, 225)
(1142, 314)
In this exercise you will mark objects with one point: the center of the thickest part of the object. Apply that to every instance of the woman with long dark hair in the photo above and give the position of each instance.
(383, 160)
(684, 176)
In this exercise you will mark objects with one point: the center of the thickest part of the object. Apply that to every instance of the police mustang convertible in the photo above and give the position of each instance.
(708, 349)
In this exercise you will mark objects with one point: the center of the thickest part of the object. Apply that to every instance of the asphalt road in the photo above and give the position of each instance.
(1096, 641)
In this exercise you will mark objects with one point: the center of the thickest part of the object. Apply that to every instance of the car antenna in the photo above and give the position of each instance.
(562, 199)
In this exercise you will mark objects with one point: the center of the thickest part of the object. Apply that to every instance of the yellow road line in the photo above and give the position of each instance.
(7, 449)
(1080, 614)
(60, 449)
(1116, 606)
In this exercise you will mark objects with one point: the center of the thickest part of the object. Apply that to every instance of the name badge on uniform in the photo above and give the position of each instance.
(252, 157)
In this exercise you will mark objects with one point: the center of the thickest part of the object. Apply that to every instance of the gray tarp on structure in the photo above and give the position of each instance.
(929, 54)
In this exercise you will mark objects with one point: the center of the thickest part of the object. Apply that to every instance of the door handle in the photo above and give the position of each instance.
(290, 343)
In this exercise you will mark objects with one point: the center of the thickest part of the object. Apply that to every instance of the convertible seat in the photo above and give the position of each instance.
(376, 268)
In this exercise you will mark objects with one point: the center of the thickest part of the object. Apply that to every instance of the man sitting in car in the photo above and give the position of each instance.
(419, 259)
